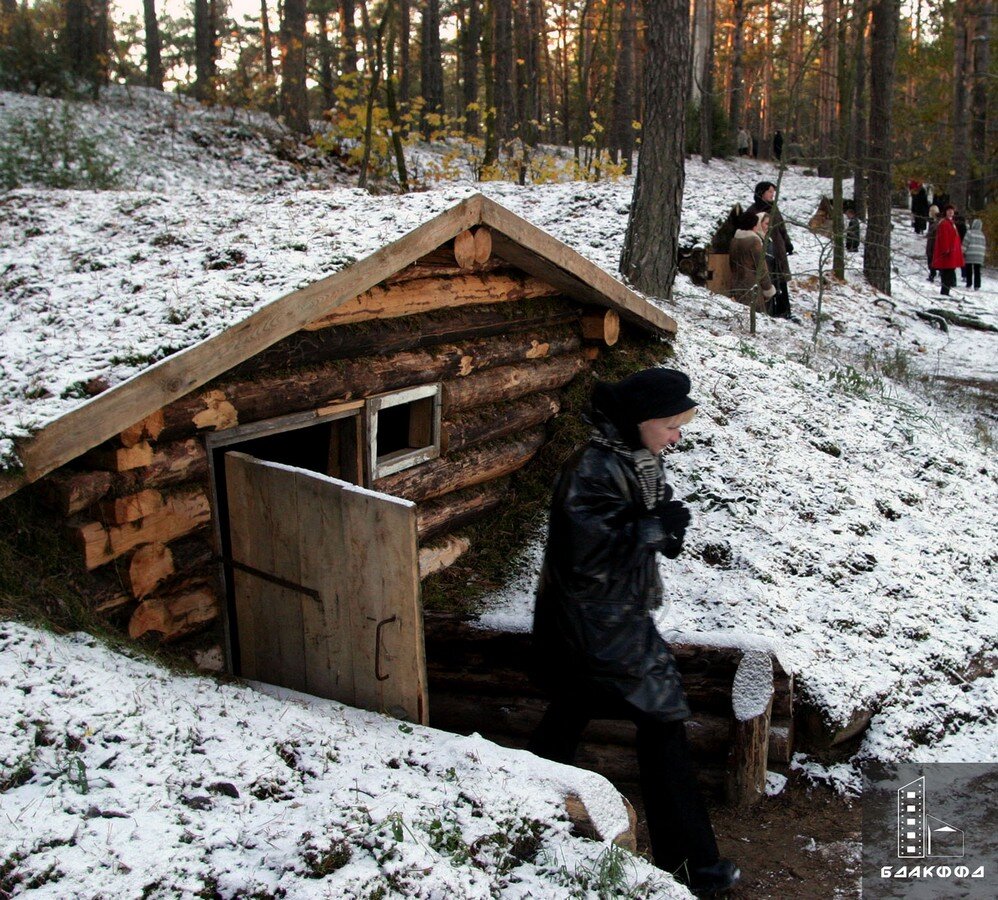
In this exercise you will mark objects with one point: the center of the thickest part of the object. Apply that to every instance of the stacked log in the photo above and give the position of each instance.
(478, 682)
(501, 343)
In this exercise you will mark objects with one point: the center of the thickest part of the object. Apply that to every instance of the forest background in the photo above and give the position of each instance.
(504, 82)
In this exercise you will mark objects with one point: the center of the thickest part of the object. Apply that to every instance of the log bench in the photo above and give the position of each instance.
(741, 699)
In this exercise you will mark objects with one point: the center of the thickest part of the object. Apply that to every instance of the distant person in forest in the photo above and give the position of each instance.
(597, 652)
(947, 252)
(780, 247)
(930, 239)
(744, 142)
(920, 209)
(975, 248)
(750, 280)
(778, 145)
(960, 221)
(852, 230)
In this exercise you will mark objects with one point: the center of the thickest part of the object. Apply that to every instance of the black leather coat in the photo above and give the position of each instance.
(594, 639)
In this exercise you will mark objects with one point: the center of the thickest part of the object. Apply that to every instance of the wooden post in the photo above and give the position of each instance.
(752, 703)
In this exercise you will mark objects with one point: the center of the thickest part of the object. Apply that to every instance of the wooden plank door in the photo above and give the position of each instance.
(326, 586)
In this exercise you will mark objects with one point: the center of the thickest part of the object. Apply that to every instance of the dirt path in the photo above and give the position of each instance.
(803, 844)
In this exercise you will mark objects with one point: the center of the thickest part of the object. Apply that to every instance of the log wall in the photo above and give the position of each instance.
(502, 344)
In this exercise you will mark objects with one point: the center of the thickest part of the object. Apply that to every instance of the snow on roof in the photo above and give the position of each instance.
(99, 285)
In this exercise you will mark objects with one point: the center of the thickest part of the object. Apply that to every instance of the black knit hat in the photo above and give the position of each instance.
(650, 394)
(762, 187)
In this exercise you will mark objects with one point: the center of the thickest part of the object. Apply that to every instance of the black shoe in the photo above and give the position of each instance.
(711, 881)
(932, 278)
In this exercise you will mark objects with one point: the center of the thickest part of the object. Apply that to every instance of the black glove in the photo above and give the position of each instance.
(790, 249)
(674, 516)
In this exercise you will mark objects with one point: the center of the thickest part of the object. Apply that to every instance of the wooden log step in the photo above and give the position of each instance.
(488, 423)
(182, 513)
(752, 702)
(511, 381)
(408, 298)
(456, 650)
(709, 736)
(464, 469)
(192, 606)
(458, 508)
(222, 405)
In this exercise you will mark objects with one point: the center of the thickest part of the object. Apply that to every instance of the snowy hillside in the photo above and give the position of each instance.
(844, 494)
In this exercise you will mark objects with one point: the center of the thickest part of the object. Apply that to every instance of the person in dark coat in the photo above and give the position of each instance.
(930, 239)
(597, 652)
(920, 209)
(852, 230)
(778, 145)
(779, 246)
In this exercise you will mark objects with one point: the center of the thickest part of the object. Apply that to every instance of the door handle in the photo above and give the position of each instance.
(377, 647)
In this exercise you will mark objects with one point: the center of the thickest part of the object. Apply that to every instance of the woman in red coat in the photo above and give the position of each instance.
(947, 255)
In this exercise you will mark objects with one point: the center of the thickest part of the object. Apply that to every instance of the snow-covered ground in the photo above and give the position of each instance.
(844, 513)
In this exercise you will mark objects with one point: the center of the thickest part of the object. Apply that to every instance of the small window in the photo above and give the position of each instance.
(403, 429)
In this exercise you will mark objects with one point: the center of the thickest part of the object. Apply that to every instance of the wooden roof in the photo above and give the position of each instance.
(513, 238)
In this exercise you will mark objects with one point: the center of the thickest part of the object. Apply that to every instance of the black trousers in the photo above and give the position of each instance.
(682, 838)
(948, 279)
(973, 275)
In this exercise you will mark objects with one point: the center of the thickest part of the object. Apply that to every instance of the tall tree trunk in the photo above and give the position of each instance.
(707, 82)
(374, 42)
(843, 85)
(267, 39)
(86, 41)
(827, 86)
(502, 49)
(980, 65)
(528, 70)
(877, 248)
(430, 65)
(204, 51)
(405, 27)
(961, 156)
(470, 39)
(491, 153)
(859, 120)
(766, 119)
(294, 98)
(348, 36)
(650, 252)
(327, 55)
(394, 117)
(622, 129)
(154, 60)
(735, 111)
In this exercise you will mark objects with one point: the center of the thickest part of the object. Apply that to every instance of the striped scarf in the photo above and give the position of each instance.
(647, 466)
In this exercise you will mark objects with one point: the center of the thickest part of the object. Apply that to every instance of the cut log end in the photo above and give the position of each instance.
(601, 325)
(464, 250)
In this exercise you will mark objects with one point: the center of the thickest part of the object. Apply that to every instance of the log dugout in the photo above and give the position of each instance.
(501, 377)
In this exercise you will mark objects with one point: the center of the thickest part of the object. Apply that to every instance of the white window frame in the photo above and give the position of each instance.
(390, 463)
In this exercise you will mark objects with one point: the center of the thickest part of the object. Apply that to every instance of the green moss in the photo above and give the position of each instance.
(500, 538)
